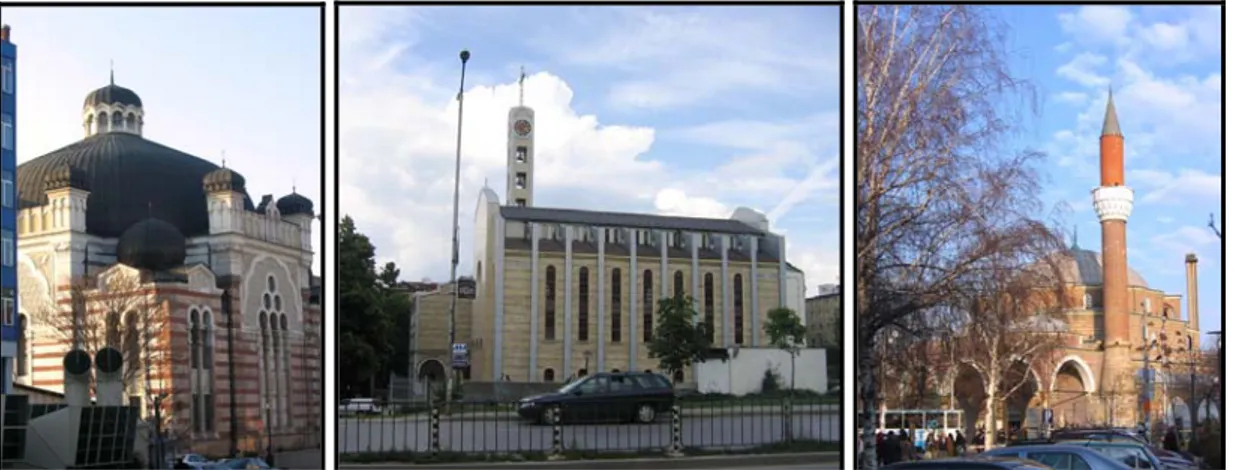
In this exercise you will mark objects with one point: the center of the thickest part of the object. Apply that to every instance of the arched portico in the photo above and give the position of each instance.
(1071, 388)
(1021, 385)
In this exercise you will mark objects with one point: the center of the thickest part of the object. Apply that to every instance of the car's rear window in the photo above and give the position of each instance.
(652, 381)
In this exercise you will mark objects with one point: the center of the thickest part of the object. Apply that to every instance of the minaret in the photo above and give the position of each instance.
(1112, 202)
(520, 150)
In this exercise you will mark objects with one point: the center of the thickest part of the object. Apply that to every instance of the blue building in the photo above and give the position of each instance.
(8, 210)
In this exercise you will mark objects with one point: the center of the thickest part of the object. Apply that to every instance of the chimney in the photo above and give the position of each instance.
(77, 378)
(109, 377)
(1193, 302)
(5, 33)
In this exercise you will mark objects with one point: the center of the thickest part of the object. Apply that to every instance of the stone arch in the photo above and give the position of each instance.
(1089, 382)
(970, 394)
(431, 370)
(1071, 387)
(101, 122)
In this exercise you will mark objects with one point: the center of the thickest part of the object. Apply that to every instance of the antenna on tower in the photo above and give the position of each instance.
(112, 66)
(522, 75)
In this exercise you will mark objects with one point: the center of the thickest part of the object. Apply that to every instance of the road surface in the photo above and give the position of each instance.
(478, 434)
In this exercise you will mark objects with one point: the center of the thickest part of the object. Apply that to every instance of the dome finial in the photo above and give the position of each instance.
(1075, 237)
(224, 159)
(293, 185)
(113, 72)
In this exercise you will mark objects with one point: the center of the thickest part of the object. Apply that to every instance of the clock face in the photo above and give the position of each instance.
(522, 127)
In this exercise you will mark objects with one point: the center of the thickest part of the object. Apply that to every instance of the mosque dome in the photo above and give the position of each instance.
(293, 204)
(1084, 267)
(112, 94)
(152, 244)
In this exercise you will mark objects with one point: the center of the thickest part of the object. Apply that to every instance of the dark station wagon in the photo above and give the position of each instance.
(637, 397)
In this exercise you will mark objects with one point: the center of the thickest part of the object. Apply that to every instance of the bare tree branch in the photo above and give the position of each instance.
(1212, 223)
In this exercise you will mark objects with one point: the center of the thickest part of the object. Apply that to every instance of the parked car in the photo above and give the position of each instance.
(1171, 460)
(611, 396)
(354, 406)
(1137, 456)
(1059, 456)
(196, 461)
(970, 463)
(246, 463)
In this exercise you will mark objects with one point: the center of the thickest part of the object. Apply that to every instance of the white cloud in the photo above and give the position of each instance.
(1190, 187)
(1099, 24)
(1186, 239)
(1082, 70)
(397, 126)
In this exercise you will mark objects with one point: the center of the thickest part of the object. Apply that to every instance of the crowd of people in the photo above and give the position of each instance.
(892, 447)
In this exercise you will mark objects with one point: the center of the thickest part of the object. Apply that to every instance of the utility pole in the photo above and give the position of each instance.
(1147, 390)
(458, 163)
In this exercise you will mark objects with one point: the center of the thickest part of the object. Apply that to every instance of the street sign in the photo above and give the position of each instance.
(460, 358)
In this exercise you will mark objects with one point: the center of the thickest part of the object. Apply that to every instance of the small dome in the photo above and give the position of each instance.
(65, 176)
(152, 244)
(1084, 267)
(112, 94)
(223, 179)
(293, 204)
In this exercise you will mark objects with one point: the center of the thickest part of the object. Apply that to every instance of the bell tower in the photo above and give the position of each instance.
(1113, 202)
(520, 152)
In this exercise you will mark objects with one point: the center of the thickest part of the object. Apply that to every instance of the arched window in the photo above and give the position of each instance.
(117, 121)
(207, 380)
(1148, 305)
(196, 404)
(287, 383)
(101, 123)
(739, 330)
(648, 313)
(23, 346)
(113, 337)
(267, 386)
(276, 369)
(709, 307)
(548, 375)
(133, 333)
(615, 302)
(679, 281)
(550, 304)
(584, 301)
(130, 122)
(1088, 300)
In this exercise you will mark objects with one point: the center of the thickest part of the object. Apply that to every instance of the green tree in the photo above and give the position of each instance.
(396, 307)
(363, 326)
(786, 332)
(678, 340)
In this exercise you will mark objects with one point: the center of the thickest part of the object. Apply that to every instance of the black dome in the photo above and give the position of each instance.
(65, 176)
(293, 204)
(130, 178)
(152, 244)
(112, 94)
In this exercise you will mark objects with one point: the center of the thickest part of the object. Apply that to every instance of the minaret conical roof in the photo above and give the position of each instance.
(1110, 126)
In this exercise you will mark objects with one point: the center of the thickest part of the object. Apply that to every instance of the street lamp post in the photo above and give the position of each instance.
(458, 163)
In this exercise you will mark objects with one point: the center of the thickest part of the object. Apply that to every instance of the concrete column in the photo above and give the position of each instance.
(664, 280)
(755, 326)
(533, 365)
(567, 341)
(632, 332)
(602, 278)
(726, 294)
(499, 299)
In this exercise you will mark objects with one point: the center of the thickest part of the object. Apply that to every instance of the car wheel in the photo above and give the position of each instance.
(645, 414)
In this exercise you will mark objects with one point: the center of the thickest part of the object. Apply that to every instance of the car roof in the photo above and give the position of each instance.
(1037, 447)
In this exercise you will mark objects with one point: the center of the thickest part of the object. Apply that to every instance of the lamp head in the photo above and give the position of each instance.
(464, 56)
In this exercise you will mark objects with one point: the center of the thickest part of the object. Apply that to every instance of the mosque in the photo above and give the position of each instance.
(208, 294)
(1114, 321)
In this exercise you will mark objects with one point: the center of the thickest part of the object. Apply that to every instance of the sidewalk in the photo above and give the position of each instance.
(306, 459)
(681, 463)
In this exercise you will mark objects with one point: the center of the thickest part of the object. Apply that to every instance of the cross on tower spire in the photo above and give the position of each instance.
(522, 75)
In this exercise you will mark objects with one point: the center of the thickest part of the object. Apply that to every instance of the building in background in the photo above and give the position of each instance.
(209, 296)
(8, 210)
(823, 318)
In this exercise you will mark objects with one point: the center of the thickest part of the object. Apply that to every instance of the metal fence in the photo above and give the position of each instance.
(497, 427)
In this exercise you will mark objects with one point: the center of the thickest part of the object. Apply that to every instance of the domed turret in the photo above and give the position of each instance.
(112, 108)
(294, 204)
(152, 244)
(65, 176)
(223, 179)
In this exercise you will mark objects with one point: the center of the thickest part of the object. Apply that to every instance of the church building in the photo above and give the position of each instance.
(562, 293)
(128, 243)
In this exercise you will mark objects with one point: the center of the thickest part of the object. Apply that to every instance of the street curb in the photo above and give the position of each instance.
(707, 461)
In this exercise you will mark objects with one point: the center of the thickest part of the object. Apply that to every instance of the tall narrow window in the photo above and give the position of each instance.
(709, 308)
(648, 313)
(8, 250)
(6, 131)
(207, 362)
(132, 344)
(520, 180)
(8, 78)
(8, 306)
(739, 330)
(267, 388)
(615, 302)
(521, 203)
(520, 154)
(584, 301)
(8, 193)
(194, 366)
(23, 347)
(550, 303)
(679, 284)
(288, 384)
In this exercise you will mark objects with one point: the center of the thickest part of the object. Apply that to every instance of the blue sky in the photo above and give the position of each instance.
(676, 110)
(1164, 66)
(242, 80)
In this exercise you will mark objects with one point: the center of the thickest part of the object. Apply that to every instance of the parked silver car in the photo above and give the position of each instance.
(1060, 457)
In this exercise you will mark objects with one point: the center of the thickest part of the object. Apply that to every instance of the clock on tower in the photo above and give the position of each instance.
(522, 127)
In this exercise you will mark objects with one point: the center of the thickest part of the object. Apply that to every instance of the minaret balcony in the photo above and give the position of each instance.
(1113, 202)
